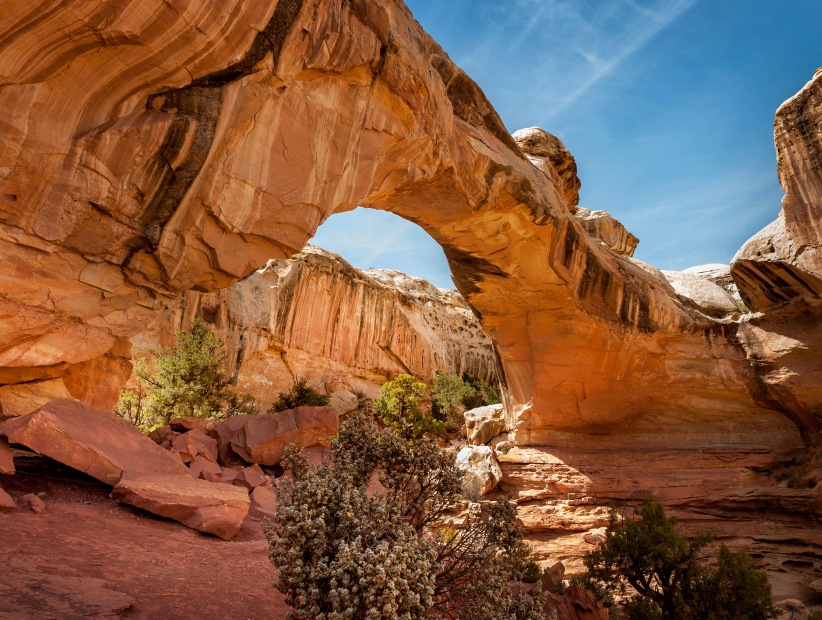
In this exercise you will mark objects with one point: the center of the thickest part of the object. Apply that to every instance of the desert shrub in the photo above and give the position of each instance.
(346, 550)
(478, 392)
(662, 570)
(802, 471)
(532, 572)
(188, 380)
(300, 395)
(448, 393)
(132, 403)
(400, 406)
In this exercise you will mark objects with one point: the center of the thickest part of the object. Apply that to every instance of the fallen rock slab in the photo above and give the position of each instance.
(217, 509)
(201, 468)
(251, 477)
(263, 438)
(195, 443)
(7, 502)
(93, 441)
(108, 448)
(263, 502)
(6, 457)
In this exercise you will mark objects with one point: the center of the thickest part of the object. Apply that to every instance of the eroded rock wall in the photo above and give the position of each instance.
(316, 317)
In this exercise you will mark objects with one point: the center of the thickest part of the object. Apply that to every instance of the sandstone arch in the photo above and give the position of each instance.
(150, 149)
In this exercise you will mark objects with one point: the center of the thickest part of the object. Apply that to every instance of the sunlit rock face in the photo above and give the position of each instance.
(608, 229)
(779, 270)
(151, 148)
(316, 317)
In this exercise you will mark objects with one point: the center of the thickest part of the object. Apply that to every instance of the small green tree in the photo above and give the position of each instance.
(448, 393)
(664, 569)
(300, 395)
(189, 380)
(400, 406)
(133, 402)
(478, 392)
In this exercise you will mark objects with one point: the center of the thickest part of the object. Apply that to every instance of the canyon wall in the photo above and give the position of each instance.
(316, 317)
(152, 148)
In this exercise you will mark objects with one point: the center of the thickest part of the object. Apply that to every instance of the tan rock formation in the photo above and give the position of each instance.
(151, 148)
(709, 298)
(562, 493)
(481, 470)
(779, 270)
(185, 156)
(549, 154)
(608, 229)
(482, 424)
(316, 317)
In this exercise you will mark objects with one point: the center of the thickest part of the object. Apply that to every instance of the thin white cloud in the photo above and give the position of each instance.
(639, 32)
(566, 46)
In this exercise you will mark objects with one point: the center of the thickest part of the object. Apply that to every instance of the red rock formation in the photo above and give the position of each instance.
(151, 148)
(142, 473)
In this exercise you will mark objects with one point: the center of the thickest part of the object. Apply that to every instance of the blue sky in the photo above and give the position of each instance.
(667, 106)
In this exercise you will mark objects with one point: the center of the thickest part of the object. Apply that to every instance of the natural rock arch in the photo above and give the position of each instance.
(150, 150)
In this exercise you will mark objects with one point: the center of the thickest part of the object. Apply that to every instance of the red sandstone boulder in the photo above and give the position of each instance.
(163, 436)
(90, 440)
(263, 502)
(6, 501)
(231, 428)
(33, 503)
(251, 477)
(263, 438)
(551, 576)
(575, 604)
(145, 475)
(195, 443)
(6, 457)
(203, 468)
(217, 509)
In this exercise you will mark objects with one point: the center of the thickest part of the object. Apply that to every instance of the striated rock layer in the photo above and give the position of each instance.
(318, 318)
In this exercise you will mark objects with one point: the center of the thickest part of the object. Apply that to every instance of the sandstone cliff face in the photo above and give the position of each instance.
(316, 317)
(152, 148)
(779, 270)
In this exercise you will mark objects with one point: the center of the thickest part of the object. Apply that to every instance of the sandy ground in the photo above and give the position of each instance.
(87, 556)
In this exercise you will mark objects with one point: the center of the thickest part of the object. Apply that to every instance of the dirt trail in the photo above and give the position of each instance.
(87, 556)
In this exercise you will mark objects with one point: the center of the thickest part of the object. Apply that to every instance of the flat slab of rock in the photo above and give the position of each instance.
(263, 502)
(263, 438)
(6, 502)
(217, 509)
(6, 457)
(107, 447)
(95, 442)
